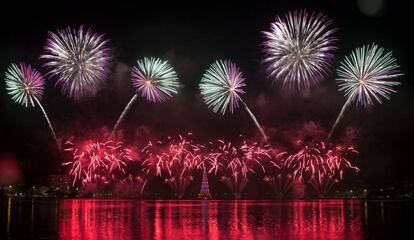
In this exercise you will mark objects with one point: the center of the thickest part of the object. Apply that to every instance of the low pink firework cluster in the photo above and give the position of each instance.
(96, 161)
(175, 161)
(178, 160)
(233, 163)
(319, 164)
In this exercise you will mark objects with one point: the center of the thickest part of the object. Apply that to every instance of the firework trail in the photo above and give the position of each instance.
(153, 79)
(364, 78)
(233, 163)
(299, 49)
(79, 59)
(97, 162)
(26, 85)
(175, 161)
(221, 87)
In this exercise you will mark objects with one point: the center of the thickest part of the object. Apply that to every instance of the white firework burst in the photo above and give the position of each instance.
(155, 79)
(79, 59)
(364, 75)
(25, 84)
(299, 49)
(221, 86)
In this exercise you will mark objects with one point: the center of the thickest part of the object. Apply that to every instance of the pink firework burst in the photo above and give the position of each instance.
(175, 161)
(97, 162)
(279, 174)
(323, 164)
(234, 163)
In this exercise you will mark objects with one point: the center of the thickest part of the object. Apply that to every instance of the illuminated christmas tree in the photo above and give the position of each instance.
(204, 190)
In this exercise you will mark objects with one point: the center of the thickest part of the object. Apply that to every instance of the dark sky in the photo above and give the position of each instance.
(192, 37)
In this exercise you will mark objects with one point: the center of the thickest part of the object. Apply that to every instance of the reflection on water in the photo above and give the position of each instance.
(112, 219)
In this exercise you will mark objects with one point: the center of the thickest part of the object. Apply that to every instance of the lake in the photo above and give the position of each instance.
(84, 219)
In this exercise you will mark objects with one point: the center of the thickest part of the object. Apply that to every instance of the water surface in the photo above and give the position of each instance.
(84, 219)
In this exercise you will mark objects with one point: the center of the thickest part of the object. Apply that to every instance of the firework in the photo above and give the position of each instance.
(97, 162)
(298, 49)
(25, 85)
(364, 76)
(222, 86)
(176, 162)
(79, 59)
(322, 164)
(153, 79)
(233, 163)
(131, 185)
(279, 174)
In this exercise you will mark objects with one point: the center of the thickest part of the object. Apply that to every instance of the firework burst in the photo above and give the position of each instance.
(176, 162)
(25, 85)
(79, 59)
(153, 79)
(298, 49)
(364, 76)
(322, 164)
(221, 87)
(97, 162)
(279, 174)
(234, 163)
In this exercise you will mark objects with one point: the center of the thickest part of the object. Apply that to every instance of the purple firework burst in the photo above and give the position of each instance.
(24, 83)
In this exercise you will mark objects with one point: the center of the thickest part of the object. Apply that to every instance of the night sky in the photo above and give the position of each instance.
(191, 37)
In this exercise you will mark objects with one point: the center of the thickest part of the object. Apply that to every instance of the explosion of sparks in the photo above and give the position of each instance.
(176, 162)
(279, 174)
(155, 79)
(100, 165)
(364, 75)
(299, 49)
(98, 162)
(25, 84)
(233, 163)
(322, 164)
(79, 59)
(221, 86)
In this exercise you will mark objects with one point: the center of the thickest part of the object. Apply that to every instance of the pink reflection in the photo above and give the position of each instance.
(94, 219)
(101, 219)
